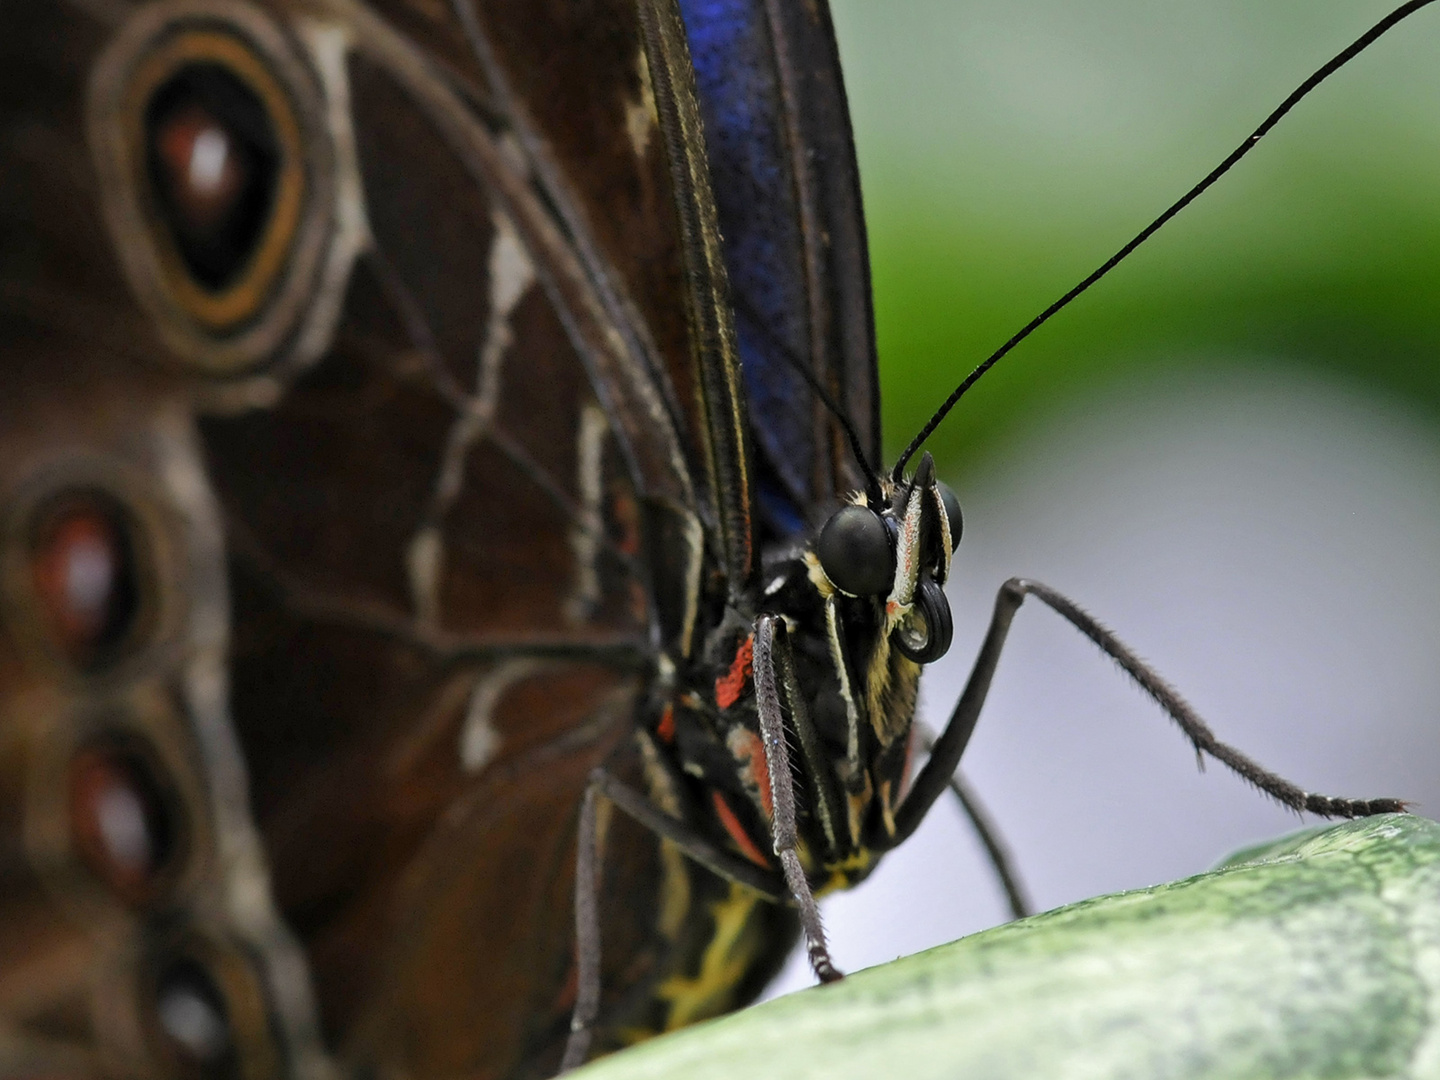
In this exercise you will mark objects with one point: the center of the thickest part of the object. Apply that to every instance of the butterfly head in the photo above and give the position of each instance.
(896, 550)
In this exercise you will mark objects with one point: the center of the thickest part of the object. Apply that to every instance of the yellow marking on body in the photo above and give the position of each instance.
(849, 871)
(816, 573)
(891, 685)
(907, 556)
(877, 681)
(857, 803)
(675, 893)
(723, 965)
(852, 707)
(657, 777)
(887, 807)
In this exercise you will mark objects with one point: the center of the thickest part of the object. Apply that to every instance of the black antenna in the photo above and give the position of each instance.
(873, 492)
(1342, 58)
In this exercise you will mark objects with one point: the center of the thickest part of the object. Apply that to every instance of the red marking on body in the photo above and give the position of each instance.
(639, 602)
(910, 750)
(727, 817)
(565, 1001)
(666, 730)
(627, 517)
(749, 752)
(729, 686)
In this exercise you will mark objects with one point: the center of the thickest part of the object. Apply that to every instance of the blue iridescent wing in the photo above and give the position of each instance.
(787, 192)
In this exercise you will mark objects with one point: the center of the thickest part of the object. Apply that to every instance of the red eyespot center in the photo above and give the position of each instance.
(214, 163)
(203, 171)
(119, 823)
(83, 573)
(75, 575)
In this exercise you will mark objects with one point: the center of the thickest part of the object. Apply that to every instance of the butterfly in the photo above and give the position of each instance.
(440, 482)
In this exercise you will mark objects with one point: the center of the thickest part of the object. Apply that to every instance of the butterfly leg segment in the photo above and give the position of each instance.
(935, 776)
(777, 761)
(587, 933)
(715, 859)
(825, 788)
(996, 849)
(587, 890)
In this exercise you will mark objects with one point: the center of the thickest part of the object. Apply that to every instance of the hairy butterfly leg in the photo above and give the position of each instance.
(824, 784)
(587, 933)
(935, 776)
(769, 639)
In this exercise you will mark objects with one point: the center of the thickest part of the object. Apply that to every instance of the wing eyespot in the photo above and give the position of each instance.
(87, 576)
(123, 821)
(218, 178)
(206, 1011)
(82, 583)
(221, 184)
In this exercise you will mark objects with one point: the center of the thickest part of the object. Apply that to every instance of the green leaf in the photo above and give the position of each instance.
(1317, 955)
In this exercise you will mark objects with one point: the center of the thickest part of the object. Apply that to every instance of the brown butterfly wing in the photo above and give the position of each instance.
(435, 522)
(418, 483)
(572, 80)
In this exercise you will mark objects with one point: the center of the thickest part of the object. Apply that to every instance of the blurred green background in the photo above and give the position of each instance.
(1008, 146)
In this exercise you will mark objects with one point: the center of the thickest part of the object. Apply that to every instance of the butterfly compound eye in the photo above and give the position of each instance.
(952, 513)
(855, 553)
